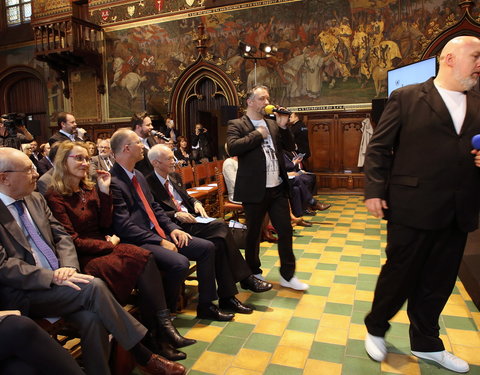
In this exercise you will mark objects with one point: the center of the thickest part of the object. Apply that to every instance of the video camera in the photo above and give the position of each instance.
(13, 120)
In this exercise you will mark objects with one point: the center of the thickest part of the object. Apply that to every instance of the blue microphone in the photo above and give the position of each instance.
(476, 142)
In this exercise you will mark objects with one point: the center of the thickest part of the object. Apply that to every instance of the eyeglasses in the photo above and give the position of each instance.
(28, 170)
(81, 158)
(103, 147)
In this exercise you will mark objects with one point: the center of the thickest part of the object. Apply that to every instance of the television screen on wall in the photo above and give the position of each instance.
(413, 73)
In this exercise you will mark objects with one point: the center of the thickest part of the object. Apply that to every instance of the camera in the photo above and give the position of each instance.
(12, 120)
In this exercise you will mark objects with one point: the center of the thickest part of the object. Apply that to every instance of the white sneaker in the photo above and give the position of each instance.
(294, 283)
(376, 347)
(445, 359)
(259, 276)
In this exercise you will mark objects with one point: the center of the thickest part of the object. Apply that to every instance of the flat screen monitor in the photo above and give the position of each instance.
(413, 73)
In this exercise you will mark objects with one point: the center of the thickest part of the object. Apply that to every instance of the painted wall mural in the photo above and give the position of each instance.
(329, 51)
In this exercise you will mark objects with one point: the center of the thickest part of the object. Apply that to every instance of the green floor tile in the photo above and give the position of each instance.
(285, 302)
(345, 280)
(362, 306)
(398, 345)
(336, 249)
(282, 370)
(226, 345)
(327, 352)
(326, 266)
(367, 278)
(358, 317)
(303, 325)
(457, 322)
(303, 275)
(366, 285)
(340, 235)
(354, 366)
(263, 342)
(318, 290)
(195, 350)
(238, 329)
(471, 306)
(370, 263)
(398, 329)
(356, 348)
(319, 240)
(338, 309)
(311, 255)
(303, 240)
(349, 258)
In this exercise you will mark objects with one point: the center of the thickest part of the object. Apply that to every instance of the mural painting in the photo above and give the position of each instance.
(329, 51)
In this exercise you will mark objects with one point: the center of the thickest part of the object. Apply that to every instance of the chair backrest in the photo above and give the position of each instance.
(187, 175)
(201, 174)
(211, 170)
(221, 188)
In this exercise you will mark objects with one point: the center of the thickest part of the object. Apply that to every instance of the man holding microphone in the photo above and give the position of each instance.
(262, 182)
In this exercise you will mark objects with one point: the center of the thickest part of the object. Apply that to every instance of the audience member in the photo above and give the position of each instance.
(43, 183)
(40, 274)
(36, 154)
(300, 135)
(142, 126)
(45, 162)
(230, 267)
(201, 144)
(92, 148)
(421, 177)
(142, 222)
(27, 349)
(171, 132)
(67, 124)
(262, 182)
(13, 135)
(104, 160)
(86, 214)
(182, 153)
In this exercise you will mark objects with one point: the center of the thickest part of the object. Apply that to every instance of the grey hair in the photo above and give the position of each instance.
(156, 151)
(7, 161)
(119, 139)
(251, 92)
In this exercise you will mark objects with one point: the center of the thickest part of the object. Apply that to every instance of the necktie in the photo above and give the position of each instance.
(108, 163)
(175, 202)
(149, 210)
(37, 239)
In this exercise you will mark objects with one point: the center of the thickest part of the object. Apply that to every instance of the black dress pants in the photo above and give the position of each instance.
(421, 268)
(276, 204)
(230, 266)
(27, 349)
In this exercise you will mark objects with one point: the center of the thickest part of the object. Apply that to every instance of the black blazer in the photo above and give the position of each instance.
(44, 165)
(60, 137)
(161, 195)
(246, 143)
(130, 219)
(144, 165)
(419, 164)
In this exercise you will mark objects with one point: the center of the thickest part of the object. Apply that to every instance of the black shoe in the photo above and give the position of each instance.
(255, 285)
(169, 352)
(169, 333)
(212, 312)
(233, 304)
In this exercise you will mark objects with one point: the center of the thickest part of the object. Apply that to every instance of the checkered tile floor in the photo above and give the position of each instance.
(322, 331)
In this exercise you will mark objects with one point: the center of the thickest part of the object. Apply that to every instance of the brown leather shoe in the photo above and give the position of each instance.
(320, 206)
(158, 365)
(304, 223)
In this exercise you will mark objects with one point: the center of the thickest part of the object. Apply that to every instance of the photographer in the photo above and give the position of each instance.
(13, 131)
(201, 144)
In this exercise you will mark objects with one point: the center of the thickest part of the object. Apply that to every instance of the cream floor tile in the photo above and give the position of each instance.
(271, 327)
(253, 360)
(298, 339)
(315, 367)
(400, 364)
(331, 335)
(290, 356)
(213, 363)
(204, 332)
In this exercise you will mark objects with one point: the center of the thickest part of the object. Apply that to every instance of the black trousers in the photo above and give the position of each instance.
(421, 268)
(175, 267)
(275, 203)
(230, 266)
(27, 349)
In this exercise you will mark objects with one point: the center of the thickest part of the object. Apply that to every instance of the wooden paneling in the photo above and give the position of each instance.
(334, 143)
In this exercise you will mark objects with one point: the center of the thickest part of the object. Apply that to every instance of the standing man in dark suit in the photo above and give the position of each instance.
(39, 273)
(422, 178)
(201, 144)
(142, 126)
(139, 220)
(262, 182)
(230, 267)
(68, 126)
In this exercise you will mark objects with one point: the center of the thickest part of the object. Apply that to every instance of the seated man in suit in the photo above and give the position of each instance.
(230, 266)
(104, 160)
(38, 274)
(303, 186)
(68, 126)
(141, 221)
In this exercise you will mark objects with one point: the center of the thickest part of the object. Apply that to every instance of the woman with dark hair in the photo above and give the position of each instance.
(85, 210)
(182, 153)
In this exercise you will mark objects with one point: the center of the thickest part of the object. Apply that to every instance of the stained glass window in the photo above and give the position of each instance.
(18, 11)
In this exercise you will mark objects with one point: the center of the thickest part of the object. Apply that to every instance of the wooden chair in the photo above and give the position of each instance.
(224, 205)
(188, 177)
(200, 172)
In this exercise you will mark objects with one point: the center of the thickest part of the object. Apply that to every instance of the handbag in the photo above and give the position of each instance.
(239, 233)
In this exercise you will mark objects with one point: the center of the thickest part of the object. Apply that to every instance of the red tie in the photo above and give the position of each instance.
(175, 202)
(150, 213)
